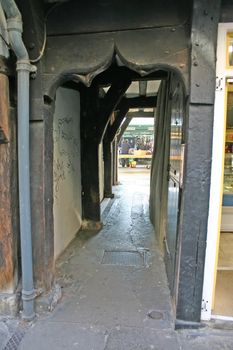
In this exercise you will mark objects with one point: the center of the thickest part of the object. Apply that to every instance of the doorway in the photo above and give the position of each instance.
(165, 174)
(87, 123)
(135, 138)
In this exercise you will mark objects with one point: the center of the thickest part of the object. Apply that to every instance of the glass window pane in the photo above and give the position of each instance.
(230, 49)
(228, 169)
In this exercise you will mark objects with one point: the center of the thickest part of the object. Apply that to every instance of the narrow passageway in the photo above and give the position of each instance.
(115, 292)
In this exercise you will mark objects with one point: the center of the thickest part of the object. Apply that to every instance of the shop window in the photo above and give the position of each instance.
(228, 169)
(230, 50)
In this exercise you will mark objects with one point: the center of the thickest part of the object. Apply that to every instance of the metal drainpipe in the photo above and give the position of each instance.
(24, 68)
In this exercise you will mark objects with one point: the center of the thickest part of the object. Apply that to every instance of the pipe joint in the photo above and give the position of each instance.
(15, 24)
(28, 295)
(25, 65)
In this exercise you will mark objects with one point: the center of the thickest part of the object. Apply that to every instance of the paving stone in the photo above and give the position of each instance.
(206, 340)
(142, 339)
(62, 335)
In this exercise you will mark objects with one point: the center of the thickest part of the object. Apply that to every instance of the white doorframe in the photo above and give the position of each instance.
(217, 172)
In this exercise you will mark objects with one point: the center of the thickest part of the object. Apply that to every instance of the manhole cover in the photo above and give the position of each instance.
(156, 315)
(125, 258)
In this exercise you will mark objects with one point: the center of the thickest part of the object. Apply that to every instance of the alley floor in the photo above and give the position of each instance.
(115, 293)
(114, 288)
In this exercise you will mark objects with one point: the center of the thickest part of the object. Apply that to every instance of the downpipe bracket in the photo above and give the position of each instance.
(15, 24)
(25, 65)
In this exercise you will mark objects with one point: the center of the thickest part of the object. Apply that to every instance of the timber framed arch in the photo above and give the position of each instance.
(79, 52)
(76, 81)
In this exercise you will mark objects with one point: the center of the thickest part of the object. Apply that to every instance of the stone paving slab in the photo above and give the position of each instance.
(64, 336)
(142, 339)
(206, 340)
(73, 336)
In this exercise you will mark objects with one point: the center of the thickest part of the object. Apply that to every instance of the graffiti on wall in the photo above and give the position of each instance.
(66, 146)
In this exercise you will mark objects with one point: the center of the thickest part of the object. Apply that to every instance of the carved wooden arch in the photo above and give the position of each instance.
(78, 75)
(81, 57)
(74, 75)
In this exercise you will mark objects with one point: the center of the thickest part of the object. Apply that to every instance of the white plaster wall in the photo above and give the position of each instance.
(67, 206)
(101, 172)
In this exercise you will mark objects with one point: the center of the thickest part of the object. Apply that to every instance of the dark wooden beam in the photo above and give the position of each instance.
(120, 115)
(89, 157)
(142, 87)
(109, 75)
(4, 109)
(139, 102)
(198, 157)
(124, 126)
(8, 194)
(114, 162)
(110, 101)
(140, 114)
(108, 151)
(33, 13)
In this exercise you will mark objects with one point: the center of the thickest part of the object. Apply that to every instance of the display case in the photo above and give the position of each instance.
(228, 164)
(230, 50)
(228, 181)
(227, 202)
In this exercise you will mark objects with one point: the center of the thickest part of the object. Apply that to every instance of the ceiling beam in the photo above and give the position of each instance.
(110, 101)
(140, 114)
(142, 87)
(106, 78)
(112, 129)
(139, 102)
(123, 127)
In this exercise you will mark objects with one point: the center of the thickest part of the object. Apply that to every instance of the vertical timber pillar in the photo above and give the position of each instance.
(115, 162)
(195, 198)
(89, 158)
(109, 150)
(8, 203)
(108, 159)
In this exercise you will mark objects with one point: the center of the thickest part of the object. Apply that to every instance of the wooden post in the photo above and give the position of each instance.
(89, 158)
(198, 156)
(108, 169)
(8, 194)
(124, 126)
(108, 149)
(115, 162)
(4, 108)
(95, 116)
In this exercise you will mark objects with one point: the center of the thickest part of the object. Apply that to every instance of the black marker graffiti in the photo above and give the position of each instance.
(66, 146)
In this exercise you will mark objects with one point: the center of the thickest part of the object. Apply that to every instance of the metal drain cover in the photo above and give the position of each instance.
(15, 340)
(156, 315)
(124, 258)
